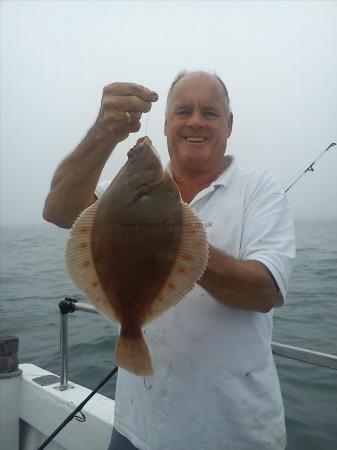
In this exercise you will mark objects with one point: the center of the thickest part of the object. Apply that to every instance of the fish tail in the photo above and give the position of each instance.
(133, 355)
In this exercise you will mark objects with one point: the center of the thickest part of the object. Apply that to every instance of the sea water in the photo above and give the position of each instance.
(34, 280)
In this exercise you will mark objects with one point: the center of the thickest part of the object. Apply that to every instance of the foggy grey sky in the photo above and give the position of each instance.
(278, 59)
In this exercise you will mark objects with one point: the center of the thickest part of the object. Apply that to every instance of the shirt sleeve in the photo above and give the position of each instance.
(268, 230)
(101, 187)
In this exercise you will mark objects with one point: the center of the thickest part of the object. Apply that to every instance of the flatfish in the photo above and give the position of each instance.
(137, 251)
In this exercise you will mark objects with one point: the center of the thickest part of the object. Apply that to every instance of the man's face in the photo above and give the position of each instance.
(197, 125)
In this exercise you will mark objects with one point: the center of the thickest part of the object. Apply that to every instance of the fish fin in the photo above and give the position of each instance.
(80, 264)
(133, 355)
(189, 267)
(144, 190)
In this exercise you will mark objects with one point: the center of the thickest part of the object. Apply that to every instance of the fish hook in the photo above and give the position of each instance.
(147, 387)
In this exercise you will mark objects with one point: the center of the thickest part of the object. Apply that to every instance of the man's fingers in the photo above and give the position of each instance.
(121, 117)
(122, 106)
(131, 117)
(131, 89)
(134, 127)
(128, 103)
(124, 128)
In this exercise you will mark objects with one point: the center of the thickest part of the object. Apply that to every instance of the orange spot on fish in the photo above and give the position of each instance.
(83, 245)
(171, 285)
(182, 269)
(94, 284)
(86, 263)
(84, 230)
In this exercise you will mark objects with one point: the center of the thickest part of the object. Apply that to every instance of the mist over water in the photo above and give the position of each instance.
(278, 60)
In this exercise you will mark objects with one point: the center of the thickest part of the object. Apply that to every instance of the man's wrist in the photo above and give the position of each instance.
(102, 136)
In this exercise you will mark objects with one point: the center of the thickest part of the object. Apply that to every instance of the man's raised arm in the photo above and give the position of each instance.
(74, 182)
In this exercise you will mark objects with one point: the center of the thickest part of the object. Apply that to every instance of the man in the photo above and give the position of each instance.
(215, 384)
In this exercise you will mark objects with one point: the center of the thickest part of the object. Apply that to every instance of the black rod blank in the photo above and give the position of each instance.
(310, 168)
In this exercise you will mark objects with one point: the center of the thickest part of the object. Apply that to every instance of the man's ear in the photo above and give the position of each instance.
(229, 124)
(165, 126)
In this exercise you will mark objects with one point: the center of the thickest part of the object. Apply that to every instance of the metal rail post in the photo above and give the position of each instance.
(68, 305)
(64, 351)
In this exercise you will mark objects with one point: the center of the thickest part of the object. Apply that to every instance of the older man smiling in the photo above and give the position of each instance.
(215, 384)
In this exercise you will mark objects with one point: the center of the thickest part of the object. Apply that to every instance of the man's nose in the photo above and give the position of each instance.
(195, 120)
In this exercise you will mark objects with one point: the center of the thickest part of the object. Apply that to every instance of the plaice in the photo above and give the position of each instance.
(137, 251)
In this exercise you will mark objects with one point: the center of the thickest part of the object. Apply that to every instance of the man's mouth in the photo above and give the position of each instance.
(194, 139)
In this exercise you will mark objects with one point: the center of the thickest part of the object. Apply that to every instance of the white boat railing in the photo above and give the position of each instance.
(305, 355)
(70, 305)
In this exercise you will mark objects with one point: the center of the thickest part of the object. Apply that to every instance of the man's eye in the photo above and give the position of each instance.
(182, 112)
(210, 114)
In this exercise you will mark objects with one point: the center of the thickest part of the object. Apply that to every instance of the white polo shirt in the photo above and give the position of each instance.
(215, 385)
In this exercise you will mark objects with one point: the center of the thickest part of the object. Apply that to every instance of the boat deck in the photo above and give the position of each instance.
(43, 406)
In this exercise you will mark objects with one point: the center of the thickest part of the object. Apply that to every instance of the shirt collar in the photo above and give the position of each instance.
(222, 179)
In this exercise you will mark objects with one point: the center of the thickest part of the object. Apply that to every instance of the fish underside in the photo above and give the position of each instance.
(137, 251)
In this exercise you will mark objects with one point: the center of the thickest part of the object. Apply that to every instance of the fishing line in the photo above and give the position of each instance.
(128, 144)
(145, 131)
(310, 168)
(147, 123)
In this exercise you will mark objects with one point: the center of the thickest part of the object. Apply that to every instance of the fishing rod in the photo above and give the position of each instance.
(310, 168)
(76, 410)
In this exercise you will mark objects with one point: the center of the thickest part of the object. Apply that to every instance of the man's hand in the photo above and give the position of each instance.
(122, 106)
(74, 182)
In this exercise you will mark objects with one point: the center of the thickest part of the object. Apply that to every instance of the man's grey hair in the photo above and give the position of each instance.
(183, 73)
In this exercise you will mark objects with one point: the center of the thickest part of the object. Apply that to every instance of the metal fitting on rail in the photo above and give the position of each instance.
(68, 305)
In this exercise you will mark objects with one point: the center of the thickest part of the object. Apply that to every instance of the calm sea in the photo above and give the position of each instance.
(34, 280)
